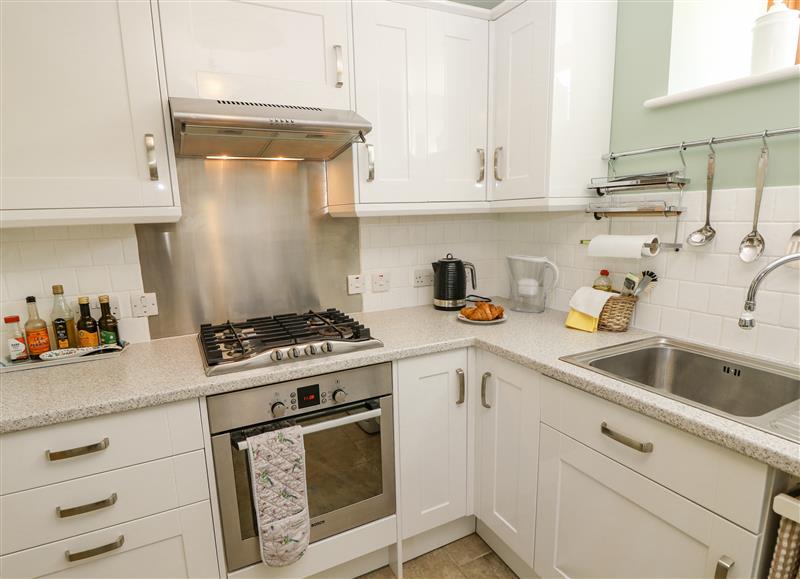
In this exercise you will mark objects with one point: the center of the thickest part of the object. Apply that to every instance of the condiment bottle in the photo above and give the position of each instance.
(63, 321)
(88, 336)
(36, 331)
(17, 348)
(109, 331)
(602, 282)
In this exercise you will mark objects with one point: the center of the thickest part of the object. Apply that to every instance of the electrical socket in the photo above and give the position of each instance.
(144, 305)
(355, 284)
(380, 282)
(423, 277)
(94, 307)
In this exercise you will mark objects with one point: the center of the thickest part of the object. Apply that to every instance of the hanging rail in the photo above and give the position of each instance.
(704, 142)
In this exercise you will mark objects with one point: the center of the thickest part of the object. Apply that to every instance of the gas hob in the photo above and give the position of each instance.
(261, 342)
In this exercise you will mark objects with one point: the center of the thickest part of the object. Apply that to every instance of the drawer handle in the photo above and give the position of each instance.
(484, 380)
(79, 451)
(80, 555)
(626, 440)
(72, 511)
(462, 386)
(723, 566)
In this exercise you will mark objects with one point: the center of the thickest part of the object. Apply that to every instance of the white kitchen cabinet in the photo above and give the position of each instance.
(421, 77)
(289, 52)
(508, 439)
(176, 543)
(83, 137)
(598, 518)
(432, 429)
(553, 72)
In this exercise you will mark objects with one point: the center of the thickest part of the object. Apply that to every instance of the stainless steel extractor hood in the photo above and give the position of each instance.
(252, 130)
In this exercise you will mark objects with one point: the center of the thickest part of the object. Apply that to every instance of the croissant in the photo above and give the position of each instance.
(483, 312)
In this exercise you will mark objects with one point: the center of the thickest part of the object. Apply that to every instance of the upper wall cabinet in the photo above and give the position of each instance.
(83, 137)
(552, 90)
(293, 53)
(421, 78)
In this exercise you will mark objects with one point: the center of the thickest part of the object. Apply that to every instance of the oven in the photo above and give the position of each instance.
(348, 434)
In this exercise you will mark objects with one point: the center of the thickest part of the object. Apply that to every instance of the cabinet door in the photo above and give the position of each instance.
(458, 76)
(294, 53)
(598, 518)
(82, 113)
(521, 41)
(390, 61)
(508, 441)
(433, 440)
(177, 543)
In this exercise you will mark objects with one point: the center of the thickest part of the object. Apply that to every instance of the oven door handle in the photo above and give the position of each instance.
(242, 444)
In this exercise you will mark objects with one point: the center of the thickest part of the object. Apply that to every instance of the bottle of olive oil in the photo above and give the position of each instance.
(109, 331)
(63, 321)
(88, 336)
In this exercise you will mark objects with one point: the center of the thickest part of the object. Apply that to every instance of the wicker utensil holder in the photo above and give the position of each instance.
(617, 313)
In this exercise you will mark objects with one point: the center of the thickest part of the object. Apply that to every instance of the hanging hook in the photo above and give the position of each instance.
(612, 171)
(711, 146)
(680, 152)
(764, 146)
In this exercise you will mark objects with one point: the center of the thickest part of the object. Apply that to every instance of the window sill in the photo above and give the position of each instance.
(724, 87)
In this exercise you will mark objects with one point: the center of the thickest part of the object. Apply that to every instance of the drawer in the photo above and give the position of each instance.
(55, 512)
(177, 543)
(725, 482)
(37, 457)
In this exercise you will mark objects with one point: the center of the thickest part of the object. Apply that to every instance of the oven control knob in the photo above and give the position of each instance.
(276, 355)
(295, 352)
(278, 409)
(311, 349)
(339, 396)
(327, 347)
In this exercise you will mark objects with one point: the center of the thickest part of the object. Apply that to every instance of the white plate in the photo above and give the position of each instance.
(500, 320)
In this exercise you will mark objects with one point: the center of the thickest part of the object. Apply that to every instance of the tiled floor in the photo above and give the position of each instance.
(468, 558)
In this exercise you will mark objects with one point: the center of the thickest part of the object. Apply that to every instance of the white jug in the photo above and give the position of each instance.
(529, 286)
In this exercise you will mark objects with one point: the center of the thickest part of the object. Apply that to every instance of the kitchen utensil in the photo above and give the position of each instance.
(706, 233)
(499, 320)
(647, 283)
(629, 284)
(752, 246)
(794, 247)
(529, 287)
(450, 283)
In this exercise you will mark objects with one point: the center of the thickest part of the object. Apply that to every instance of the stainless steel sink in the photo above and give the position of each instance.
(761, 394)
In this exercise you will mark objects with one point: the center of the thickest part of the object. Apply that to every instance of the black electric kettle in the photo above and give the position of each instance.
(450, 283)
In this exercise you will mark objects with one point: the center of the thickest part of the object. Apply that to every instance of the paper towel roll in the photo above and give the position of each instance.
(634, 246)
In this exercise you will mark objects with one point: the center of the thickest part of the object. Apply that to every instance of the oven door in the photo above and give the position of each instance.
(349, 475)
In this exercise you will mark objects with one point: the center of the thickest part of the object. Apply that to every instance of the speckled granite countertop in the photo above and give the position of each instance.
(171, 369)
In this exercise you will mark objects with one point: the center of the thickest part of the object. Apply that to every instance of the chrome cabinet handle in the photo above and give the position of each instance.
(484, 380)
(339, 66)
(150, 147)
(497, 163)
(79, 451)
(462, 386)
(96, 551)
(723, 566)
(644, 447)
(88, 508)
(482, 163)
(370, 162)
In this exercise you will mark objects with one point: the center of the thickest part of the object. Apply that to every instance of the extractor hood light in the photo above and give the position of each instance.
(227, 158)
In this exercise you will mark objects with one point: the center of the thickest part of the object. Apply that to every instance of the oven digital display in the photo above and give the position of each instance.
(308, 396)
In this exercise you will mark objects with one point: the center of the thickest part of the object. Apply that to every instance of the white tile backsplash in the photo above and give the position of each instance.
(700, 292)
(85, 260)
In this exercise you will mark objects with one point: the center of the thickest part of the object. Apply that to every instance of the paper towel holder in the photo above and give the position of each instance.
(650, 246)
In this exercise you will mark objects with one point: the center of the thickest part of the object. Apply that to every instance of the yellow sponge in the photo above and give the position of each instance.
(581, 321)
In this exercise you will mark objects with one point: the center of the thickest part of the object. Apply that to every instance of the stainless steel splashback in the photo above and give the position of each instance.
(252, 241)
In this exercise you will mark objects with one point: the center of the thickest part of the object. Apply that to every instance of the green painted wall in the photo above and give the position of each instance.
(644, 32)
